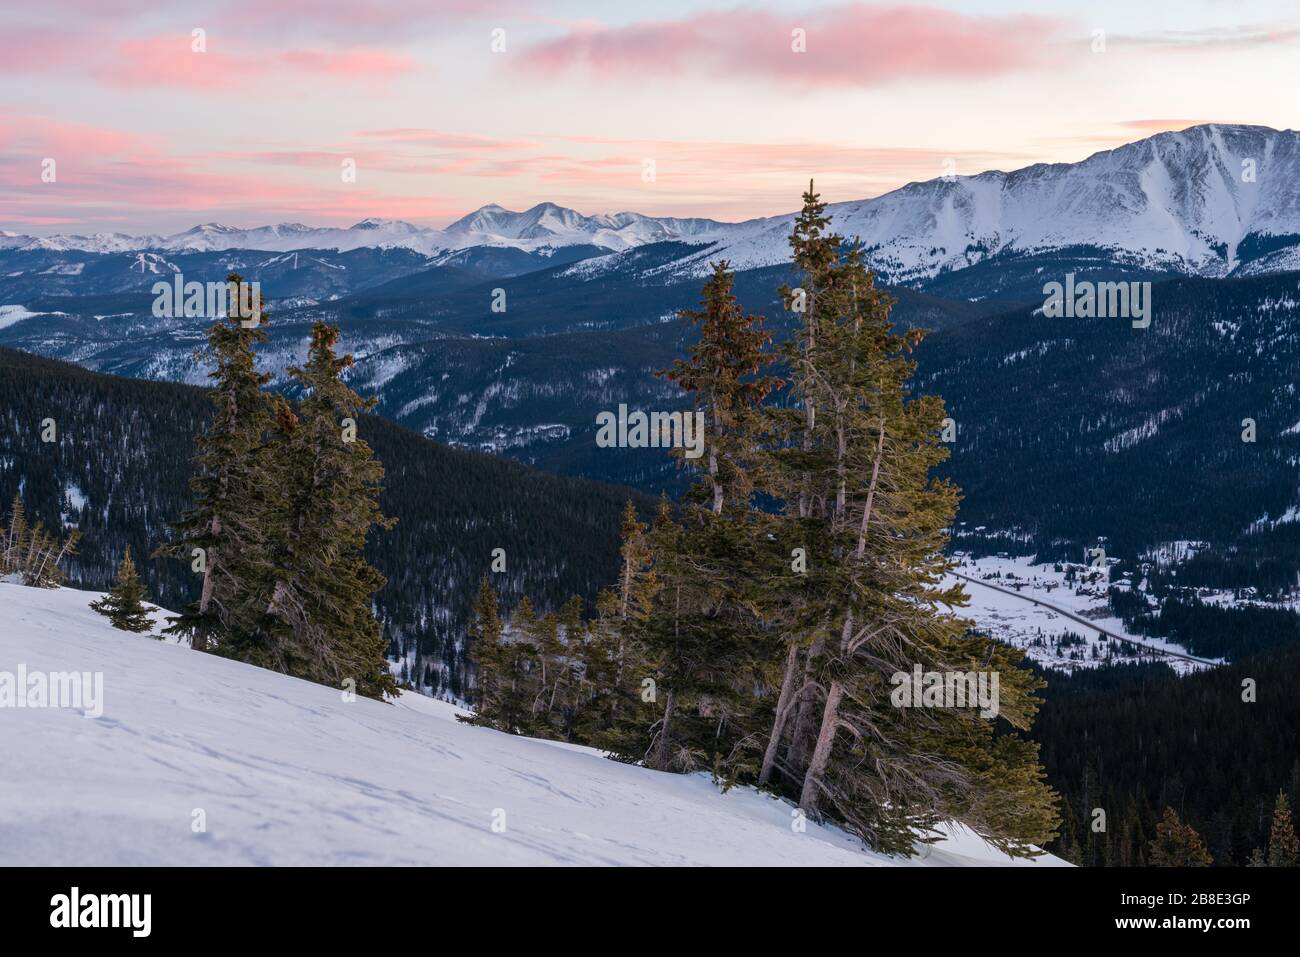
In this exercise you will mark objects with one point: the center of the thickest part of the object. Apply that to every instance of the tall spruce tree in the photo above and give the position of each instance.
(124, 604)
(855, 479)
(487, 654)
(815, 256)
(726, 378)
(319, 621)
(706, 633)
(223, 535)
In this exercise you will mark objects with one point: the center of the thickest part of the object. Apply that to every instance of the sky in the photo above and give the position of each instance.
(120, 116)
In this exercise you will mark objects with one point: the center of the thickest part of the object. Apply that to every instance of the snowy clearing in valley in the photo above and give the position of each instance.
(285, 772)
(1049, 637)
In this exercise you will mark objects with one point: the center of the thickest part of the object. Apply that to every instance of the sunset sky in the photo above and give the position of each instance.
(150, 136)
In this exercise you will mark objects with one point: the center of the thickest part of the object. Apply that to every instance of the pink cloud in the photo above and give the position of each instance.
(380, 21)
(39, 49)
(125, 191)
(170, 60)
(445, 140)
(37, 137)
(856, 45)
(349, 63)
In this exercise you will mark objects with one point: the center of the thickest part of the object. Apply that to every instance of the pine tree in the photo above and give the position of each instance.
(708, 633)
(1177, 844)
(815, 255)
(704, 641)
(318, 589)
(487, 654)
(223, 535)
(124, 605)
(30, 554)
(617, 707)
(1283, 847)
(726, 378)
(855, 477)
(548, 645)
(562, 709)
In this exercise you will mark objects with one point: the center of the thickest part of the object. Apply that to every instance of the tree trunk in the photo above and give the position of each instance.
(783, 704)
(871, 494)
(205, 597)
(199, 640)
(798, 750)
(661, 751)
(713, 465)
(808, 798)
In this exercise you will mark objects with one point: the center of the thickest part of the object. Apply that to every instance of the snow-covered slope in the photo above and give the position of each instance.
(1208, 200)
(285, 772)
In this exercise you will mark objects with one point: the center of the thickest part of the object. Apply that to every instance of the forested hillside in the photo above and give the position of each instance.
(1072, 430)
(118, 470)
(1134, 739)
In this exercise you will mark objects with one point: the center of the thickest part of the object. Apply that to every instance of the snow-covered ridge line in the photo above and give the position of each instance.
(1207, 200)
(282, 771)
(544, 226)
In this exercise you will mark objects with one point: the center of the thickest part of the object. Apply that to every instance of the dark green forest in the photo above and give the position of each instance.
(1132, 740)
(123, 447)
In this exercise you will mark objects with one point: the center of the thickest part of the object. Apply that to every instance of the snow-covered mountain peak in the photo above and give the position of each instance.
(1207, 200)
(1183, 201)
(549, 224)
(388, 225)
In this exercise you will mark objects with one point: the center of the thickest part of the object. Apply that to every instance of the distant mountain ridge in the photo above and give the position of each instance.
(544, 226)
(1211, 200)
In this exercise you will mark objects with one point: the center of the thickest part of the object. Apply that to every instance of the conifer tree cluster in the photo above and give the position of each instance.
(283, 500)
(1283, 846)
(1177, 844)
(755, 629)
(30, 554)
(124, 604)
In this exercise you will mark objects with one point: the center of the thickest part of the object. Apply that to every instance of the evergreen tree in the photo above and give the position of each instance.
(1177, 844)
(223, 534)
(617, 706)
(548, 646)
(702, 640)
(855, 478)
(565, 692)
(523, 667)
(124, 605)
(319, 622)
(488, 656)
(1283, 847)
(709, 631)
(727, 381)
(30, 554)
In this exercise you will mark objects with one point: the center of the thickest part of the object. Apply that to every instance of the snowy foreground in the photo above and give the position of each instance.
(199, 760)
